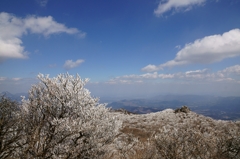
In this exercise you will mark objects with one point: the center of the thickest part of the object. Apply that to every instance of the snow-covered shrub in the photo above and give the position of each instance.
(62, 120)
(198, 137)
(182, 136)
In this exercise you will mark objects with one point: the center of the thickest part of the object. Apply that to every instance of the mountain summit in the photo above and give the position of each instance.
(178, 134)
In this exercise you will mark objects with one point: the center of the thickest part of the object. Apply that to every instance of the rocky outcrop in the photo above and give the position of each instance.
(183, 109)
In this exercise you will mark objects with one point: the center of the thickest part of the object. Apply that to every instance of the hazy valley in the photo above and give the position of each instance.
(216, 107)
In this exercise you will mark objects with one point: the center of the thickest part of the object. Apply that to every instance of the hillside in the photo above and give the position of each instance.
(170, 134)
(118, 134)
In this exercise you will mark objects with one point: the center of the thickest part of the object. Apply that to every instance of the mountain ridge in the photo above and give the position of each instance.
(225, 108)
(176, 134)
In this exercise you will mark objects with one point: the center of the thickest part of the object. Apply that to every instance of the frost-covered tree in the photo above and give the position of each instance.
(62, 120)
(10, 127)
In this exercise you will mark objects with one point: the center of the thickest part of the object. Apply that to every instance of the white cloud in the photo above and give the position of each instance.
(176, 4)
(232, 70)
(12, 48)
(197, 72)
(178, 47)
(47, 26)
(132, 79)
(195, 76)
(3, 78)
(16, 79)
(69, 64)
(166, 76)
(149, 75)
(42, 3)
(12, 28)
(151, 68)
(209, 49)
(201, 81)
(152, 89)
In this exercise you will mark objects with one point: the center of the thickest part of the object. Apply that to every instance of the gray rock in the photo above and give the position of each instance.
(183, 109)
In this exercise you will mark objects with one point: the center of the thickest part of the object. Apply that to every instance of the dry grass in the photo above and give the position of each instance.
(141, 134)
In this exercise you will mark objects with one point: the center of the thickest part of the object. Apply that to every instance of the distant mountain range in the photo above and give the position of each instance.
(225, 108)
(15, 97)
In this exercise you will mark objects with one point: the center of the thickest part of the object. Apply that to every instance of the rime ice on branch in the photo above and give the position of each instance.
(64, 121)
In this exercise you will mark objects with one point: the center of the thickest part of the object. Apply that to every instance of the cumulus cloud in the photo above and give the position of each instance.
(12, 48)
(12, 28)
(69, 64)
(207, 50)
(232, 70)
(201, 75)
(151, 68)
(47, 26)
(176, 5)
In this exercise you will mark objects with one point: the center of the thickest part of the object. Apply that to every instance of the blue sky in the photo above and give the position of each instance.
(128, 48)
